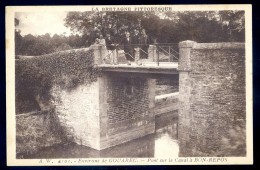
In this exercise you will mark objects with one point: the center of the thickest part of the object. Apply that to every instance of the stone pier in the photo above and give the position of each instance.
(112, 110)
(212, 99)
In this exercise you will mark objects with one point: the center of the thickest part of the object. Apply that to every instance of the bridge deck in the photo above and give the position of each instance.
(147, 67)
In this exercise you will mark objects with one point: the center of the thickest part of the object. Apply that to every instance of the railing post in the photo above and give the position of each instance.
(117, 54)
(137, 54)
(151, 52)
(169, 53)
(98, 53)
(157, 59)
(154, 52)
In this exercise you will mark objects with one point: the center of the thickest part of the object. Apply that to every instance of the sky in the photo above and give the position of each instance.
(40, 23)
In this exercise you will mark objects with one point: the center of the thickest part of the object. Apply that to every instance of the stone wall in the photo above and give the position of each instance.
(212, 112)
(126, 115)
(113, 110)
(78, 113)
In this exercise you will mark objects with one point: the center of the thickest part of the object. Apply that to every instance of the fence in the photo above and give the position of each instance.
(140, 53)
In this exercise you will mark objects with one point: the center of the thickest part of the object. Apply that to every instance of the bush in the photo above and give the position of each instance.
(37, 130)
(36, 76)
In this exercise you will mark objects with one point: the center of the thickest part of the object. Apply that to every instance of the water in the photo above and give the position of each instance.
(163, 143)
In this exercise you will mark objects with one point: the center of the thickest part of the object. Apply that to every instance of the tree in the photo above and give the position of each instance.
(167, 27)
(27, 46)
(208, 26)
(234, 23)
(92, 24)
(18, 38)
(162, 27)
(63, 47)
(18, 42)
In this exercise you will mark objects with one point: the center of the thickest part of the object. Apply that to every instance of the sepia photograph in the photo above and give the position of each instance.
(129, 85)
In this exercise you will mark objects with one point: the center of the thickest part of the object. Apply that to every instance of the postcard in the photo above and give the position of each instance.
(129, 85)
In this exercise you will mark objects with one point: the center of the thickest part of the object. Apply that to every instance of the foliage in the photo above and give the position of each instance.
(36, 76)
(162, 27)
(167, 27)
(37, 130)
(63, 47)
(234, 23)
(31, 45)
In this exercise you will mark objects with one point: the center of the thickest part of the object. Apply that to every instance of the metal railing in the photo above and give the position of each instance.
(141, 53)
(168, 52)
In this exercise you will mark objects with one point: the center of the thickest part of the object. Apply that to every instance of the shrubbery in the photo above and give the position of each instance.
(36, 76)
(37, 130)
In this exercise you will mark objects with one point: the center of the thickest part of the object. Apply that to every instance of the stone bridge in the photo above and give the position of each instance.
(120, 106)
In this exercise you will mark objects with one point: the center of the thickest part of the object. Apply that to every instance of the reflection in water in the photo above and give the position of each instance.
(166, 146)
(166, 136)
(163, 143)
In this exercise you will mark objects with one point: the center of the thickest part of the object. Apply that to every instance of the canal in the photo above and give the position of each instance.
(163, 143)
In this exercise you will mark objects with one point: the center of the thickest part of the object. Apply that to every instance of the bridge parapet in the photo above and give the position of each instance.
(149, 65)
(156, 53)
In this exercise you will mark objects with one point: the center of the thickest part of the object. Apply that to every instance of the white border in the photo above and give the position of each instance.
(10, 86)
